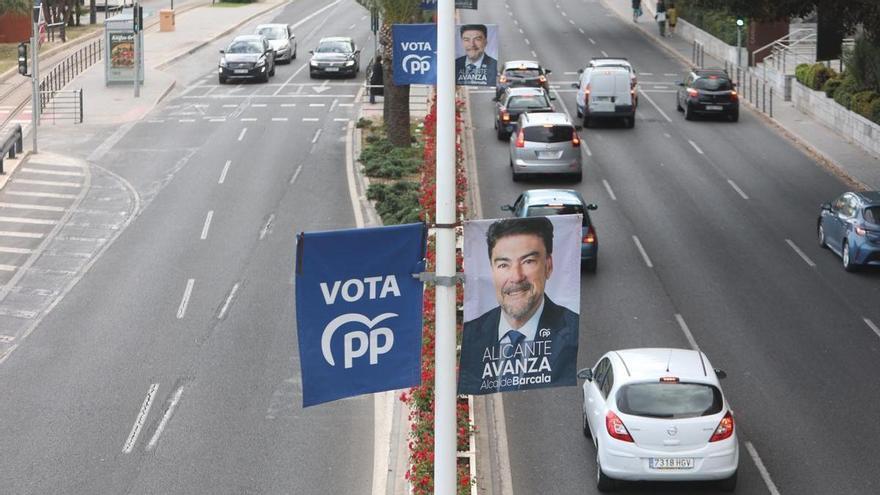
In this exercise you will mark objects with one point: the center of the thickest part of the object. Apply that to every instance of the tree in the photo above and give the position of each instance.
(396, 109)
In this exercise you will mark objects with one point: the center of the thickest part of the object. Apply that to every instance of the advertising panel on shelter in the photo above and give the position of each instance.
(414, 53)
(359, 310)
(521, 304)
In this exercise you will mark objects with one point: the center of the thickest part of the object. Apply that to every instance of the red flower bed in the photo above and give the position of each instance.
(421, 399)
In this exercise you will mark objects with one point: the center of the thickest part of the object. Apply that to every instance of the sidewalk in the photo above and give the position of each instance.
(826, 145)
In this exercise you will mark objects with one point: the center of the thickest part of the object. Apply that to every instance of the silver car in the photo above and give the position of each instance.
(545, 143)
(281, 39)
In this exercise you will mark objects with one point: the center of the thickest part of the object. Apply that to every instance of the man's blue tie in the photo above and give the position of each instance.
(515, 337)
(471, 68)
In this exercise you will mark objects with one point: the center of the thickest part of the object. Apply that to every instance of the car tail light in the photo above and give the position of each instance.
(860, 231)
(505, 116)
(502, 79)
(587, 91)
(590, 236)
(725, 428)
(520, 139)
(575, 140)
(734, 96)
(693, 92)
(616, 428)
(542, 79)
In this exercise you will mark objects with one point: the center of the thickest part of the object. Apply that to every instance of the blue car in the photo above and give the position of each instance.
(850, 226)
(543, 202)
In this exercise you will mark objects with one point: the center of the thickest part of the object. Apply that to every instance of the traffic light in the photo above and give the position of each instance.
(22, 59)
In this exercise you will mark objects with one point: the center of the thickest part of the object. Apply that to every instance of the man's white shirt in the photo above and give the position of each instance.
(530, 329)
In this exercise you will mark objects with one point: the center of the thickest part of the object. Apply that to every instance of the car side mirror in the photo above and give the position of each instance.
(825, 206)
(312, 52)
(293, 36)
(494, 98)
(575, 85)
(222, 51)
(592, 206)
(721, 374)
(586, 374)
(547, 71)
(552, 98)
(506, 208)
(681, 84)
(578, 127)
(580, 71)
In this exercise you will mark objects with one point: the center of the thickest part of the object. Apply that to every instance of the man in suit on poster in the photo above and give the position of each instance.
(527, 341)
(476, 67)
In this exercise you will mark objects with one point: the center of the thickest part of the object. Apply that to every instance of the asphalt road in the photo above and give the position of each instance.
(172, 365)
(725, 216)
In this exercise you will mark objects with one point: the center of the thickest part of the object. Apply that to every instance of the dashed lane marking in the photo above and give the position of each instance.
(31, 221)
(12, 250)
(23, 206)
(46, 183)
(800, 253)
(23, 235)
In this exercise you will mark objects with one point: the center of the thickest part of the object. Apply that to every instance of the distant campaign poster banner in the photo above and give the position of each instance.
(521, 304)
(359, 310)
(414, 55)
(459, 4)
(476, 54)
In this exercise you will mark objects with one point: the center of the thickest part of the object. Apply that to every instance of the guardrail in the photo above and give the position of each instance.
(754, 89)
(69, 68)
(63, 106)
(10, 143)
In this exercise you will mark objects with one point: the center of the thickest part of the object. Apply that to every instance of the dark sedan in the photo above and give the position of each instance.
(850, 226)
(517, 73)
(247, 57)
(707, 92)
(513, 103)
(335, 56)
(544, 202)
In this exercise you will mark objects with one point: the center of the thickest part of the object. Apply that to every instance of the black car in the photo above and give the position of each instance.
(708, 92)
(513, 103)
(247, 57)
(517, 73)
(335, 56)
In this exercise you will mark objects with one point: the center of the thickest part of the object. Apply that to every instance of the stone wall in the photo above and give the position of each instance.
(856, 128)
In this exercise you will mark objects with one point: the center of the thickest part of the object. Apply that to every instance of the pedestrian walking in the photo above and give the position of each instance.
(671, 17)
(637, 9)
(660, 17)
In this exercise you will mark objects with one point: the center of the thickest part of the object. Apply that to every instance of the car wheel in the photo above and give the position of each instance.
(578, 176)
(603, 482)
(688, 113)
(311, 75)
(272, 72)
(586, 425)
(293, 57)
(848, 265)
(678, 105)
(516, 177)
(579, 113)
(502, 135)
(822, 242)
(265, 77)
(221, 80)
(592, 264)
(587, 120)
(631, 122)
(734, 116)
(728, 484)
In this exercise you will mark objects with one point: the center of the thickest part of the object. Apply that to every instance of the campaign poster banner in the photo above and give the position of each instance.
(414, 53)
(459, 4)
(476, 54)
(359, 310)
(521, 304)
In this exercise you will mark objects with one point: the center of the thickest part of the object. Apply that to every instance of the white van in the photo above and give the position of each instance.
(606, 92)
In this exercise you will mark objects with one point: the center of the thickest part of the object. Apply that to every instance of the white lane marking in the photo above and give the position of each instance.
(23, 206)
(221, 119)
(644, 253)
(346, 104)
(696, 147)
(763, 470)
(646, 73)
(141, 418)
(249, 119)
(8, 268)
(258, 105)
(317, 104)
(223, 173)
(333, 105)
(228, 302)
(521, 31)
(279, 119)
(591, 41)
(12, 250)
(527, 41)
(516, 22)
(341, 120)
(800, 253)
(571, 21)
(651, 101)
(687, 332)
(32, 221)
(667, 91)
(570, 73)
(296, 25)
(737, 189)
(660, 87)
(267, 226)
(603, 53)
(186, 120)
(41, 195)
(296, 174)
(207, 225)
(317, 135)
(51, 172)
(155, 121)
(534, 54)
(309, 119)
(352, 27)
(165, 418)
(670, 74)
(243, 131)
(47, 183)
(872, 326)
(582, 30)
(608, 188)
(24, 235)
(288, 105)
(564, 14)
(181, 310)
(230, 105)
(349, 166)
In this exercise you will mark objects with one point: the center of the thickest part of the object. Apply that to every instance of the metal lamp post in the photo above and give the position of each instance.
(739, 26)
(35, 75)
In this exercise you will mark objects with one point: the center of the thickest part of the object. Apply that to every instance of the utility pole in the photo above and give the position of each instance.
(35, 74)
(739, 26)
(137, 23)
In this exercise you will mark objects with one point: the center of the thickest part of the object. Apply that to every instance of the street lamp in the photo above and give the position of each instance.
(739, 25)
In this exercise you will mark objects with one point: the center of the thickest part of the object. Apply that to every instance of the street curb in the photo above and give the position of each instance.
(190, 51)
(9, 168)
(166, 92)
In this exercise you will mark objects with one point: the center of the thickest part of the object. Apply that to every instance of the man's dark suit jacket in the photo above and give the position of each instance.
(489, 63)
(482, 333)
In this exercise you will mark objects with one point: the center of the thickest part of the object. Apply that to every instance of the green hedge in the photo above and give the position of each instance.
(831, 86)
(862, 102)
(383, 159)
(396, 203)
(814, 76)
(719, 23)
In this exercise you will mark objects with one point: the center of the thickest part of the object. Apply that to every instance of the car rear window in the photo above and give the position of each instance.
(521, 102)
(713, 84)
(273, 33)
(872, 214)
(522, 72)
(546, 210)
(552, 134)
(669, 400)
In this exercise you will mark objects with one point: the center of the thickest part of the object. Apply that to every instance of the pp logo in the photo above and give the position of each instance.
(416, 64)
(358, 342)
(544, 333)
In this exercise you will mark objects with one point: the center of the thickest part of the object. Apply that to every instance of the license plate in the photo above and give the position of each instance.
(603, 98)
(602, 106)
(672, 463)
(241, 71)
(332, 69)
(549, 155)
(714, 107)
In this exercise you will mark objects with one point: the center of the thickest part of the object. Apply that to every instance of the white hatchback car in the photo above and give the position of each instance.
(659, 415)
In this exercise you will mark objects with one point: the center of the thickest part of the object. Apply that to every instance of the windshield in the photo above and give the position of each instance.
(523, 102)
(669, 400)
(334, 47)
(273, 33)
(244, 47)
(522, 73)
(713, 84)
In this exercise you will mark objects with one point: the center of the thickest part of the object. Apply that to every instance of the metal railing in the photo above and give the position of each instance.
(63, 106)
(69, 68)
(799, 37)
(10, 143)
(752, 88)
(698, 54)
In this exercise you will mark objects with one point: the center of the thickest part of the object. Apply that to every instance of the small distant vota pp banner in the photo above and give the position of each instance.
(359, 310)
